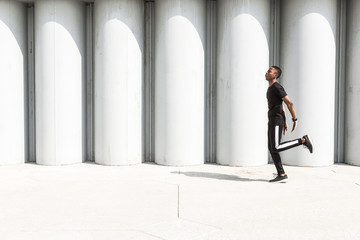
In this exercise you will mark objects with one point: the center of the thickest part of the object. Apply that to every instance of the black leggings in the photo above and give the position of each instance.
(275, 146)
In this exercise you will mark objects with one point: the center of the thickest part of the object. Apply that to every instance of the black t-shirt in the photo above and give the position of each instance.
(274, 95)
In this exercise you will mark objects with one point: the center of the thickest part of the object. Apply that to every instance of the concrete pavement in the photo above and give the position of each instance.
(147, 201)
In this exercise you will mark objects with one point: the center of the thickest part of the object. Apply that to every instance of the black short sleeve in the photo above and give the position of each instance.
(280, 91)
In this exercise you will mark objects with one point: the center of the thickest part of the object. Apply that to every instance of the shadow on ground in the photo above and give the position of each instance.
(219, 176)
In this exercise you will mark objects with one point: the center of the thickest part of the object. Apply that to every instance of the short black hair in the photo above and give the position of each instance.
(278, 70)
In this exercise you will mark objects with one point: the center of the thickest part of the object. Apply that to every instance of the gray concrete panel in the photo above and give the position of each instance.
(180, 82)
(59, 81)
(352, 95)
(13, 72)
(242, 60)
(119, 60)
(308, 61)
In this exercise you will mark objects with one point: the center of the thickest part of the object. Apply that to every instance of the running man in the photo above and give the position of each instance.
(277, 125)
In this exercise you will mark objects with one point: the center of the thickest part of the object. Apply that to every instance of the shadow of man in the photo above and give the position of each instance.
(219, 176)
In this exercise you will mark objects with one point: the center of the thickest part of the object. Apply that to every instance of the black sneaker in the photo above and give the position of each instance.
(279, 178)
(308, 143)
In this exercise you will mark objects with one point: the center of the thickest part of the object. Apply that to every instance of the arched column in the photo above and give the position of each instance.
(352, 94)
(179, 82)
(242, 60)
(308, 61)
(59, 80)
(12, 77)
(119, 37)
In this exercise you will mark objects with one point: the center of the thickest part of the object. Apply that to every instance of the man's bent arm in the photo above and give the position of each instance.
(286, 126)
(291, 108)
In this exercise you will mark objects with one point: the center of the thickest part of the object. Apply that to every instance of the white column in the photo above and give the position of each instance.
(352, 94)
(12, 77)
(243, 59)
(179, 82)
(308, 57)
(59, 78)
(119, 37)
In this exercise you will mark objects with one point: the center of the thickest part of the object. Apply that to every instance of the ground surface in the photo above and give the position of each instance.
(147, 201)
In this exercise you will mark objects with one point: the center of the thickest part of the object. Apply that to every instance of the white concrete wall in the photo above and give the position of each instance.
(59, 77)
(242, 60)
(119, 48)
(12, 77)
(179, 82)
(308, 34)
(352, 93)
(308, 56)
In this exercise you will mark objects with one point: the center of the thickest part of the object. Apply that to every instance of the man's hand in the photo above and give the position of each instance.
(294, 126)
(285, 129)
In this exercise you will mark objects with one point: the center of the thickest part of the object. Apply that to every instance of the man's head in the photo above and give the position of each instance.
(277, 71)
(273, 73)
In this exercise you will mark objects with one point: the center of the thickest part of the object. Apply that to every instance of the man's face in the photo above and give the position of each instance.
(270, 74)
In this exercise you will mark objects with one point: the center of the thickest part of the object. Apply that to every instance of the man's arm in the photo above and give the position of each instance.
(286, 125)
(291, 108)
